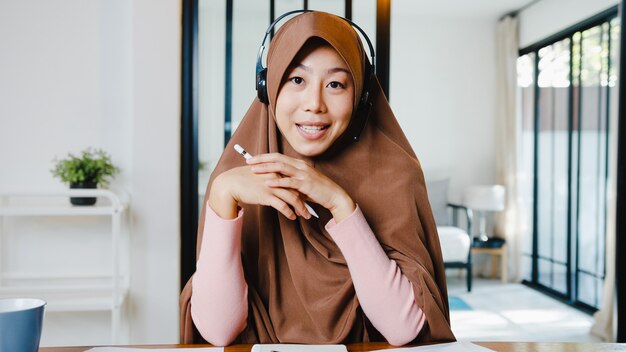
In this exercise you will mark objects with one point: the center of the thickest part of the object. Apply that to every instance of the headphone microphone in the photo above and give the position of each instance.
(364, 105)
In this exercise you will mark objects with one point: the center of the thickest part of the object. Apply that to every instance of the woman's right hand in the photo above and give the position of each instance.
(241, 185)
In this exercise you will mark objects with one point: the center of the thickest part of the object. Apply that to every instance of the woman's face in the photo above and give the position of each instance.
(315, 101)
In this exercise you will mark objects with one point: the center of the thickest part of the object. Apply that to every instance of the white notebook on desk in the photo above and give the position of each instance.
(442, 347)
(298, 348)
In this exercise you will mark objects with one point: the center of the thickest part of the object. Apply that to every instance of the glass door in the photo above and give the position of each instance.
(567, 102)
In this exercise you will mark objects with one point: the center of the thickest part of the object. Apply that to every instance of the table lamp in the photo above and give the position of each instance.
(483, 199)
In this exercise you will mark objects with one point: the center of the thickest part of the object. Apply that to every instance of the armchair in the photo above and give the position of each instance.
(456, 242)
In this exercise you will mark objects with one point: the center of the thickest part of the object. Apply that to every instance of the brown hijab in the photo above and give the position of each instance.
(300, 289)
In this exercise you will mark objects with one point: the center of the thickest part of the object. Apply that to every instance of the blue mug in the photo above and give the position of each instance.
(21, 320)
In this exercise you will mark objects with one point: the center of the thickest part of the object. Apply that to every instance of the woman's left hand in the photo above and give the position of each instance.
(300, 176)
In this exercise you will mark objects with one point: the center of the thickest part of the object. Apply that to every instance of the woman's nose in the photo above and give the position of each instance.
(314, 99)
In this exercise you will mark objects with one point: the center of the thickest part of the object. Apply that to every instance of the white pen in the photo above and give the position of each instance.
(247, 156)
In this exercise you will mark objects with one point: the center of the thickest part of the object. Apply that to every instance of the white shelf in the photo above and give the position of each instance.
(28, 207)
(84, 292)
(70, 299)
(57, 210)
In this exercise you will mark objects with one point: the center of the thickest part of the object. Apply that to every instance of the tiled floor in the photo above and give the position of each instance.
(514, 312)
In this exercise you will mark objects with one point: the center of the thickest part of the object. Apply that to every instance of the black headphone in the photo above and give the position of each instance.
(261, 72)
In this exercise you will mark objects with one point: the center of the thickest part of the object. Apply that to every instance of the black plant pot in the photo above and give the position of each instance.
(83, 200)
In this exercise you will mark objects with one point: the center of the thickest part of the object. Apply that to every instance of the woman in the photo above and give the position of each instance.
(370, 267)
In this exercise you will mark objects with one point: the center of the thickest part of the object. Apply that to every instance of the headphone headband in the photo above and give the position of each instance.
(259, 62)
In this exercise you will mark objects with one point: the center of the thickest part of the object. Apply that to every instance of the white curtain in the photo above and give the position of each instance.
(605, 323)
(508, 139)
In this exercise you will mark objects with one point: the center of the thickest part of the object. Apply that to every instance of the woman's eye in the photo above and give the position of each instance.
(335, 85)
(296, 80)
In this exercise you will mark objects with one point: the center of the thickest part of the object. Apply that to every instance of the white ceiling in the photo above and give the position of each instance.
(492, 9)
(487, 9)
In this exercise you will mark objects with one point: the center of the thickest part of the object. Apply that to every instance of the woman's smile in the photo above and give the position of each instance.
(311, 130)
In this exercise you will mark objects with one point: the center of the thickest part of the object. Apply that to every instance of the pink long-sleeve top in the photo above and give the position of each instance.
(219, 312)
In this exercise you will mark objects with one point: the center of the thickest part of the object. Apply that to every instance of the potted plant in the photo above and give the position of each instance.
(87, 171)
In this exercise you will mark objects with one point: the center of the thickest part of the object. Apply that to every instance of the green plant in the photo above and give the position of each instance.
(94, 165)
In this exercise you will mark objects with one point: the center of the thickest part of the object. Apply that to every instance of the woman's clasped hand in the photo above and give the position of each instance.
(297, 175)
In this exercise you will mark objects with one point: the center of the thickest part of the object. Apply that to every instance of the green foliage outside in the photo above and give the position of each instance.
(91, 166)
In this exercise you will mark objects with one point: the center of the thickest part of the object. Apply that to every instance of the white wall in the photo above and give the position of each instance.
(548, 17)
(102, 73)
(65, 85)
(442, 91)
(155, 185)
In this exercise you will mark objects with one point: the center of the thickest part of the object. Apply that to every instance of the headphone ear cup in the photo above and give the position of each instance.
(261, 86)
(364, 108)
(364, 101)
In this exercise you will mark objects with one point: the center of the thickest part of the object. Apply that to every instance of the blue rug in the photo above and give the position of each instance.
(458, 304)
